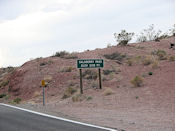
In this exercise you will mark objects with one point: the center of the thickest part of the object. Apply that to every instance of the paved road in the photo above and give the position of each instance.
(12, 119)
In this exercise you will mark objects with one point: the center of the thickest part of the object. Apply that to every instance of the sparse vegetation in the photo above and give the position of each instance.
(155, 64)
(149, 34)
(172, 58)
(17, 100)
(89, 98)
(4, 83)
(78, 98)
(150, 73)
(123, 37)
(137, 81)
(115, 56)
(66, 55)
(107, 71)
(147, 60)
(71, 56)
(89, 74)
(67, 69)
(68, 92)
(61, 54)
(2, 95)
(160, 53)
(108, 91)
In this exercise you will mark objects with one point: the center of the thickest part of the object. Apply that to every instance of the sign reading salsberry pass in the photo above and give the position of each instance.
(90, 63)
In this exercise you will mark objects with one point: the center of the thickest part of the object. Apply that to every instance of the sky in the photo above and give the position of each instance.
(39, 28)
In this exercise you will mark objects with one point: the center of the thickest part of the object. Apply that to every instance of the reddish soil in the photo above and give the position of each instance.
(150, 107)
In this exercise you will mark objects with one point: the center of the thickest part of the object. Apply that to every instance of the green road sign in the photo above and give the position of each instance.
(90, 63)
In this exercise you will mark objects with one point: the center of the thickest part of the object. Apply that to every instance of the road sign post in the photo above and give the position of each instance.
(81, 82)
(99, 73)
(90, 63)
(43, 85)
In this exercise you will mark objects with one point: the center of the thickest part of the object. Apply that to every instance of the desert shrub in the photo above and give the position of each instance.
(115, 56)
(161, 54)
(137, 81)
(149, 34)
(71, 56)
(172, 31)
(67, 69)
(123, 37)
(107, 71)
(61, 54)
(130, 62)
(2, 95)
(17, 100)
(108, 91)
(89, 98)
(147, 60)
(43, 63)
(155, 64)
(172, 58)
(150, 73)
(78, 97)
(68, 92)
(4, 83)
(89, 74)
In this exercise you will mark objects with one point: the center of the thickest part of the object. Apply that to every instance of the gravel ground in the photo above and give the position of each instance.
(140, 119)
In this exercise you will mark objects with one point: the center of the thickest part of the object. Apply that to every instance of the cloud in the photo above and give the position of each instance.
(36, 28)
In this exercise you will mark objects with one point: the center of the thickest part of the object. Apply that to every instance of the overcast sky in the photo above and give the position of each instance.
(39, 28)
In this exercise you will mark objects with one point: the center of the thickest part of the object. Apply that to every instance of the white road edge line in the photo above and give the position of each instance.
(58, 118)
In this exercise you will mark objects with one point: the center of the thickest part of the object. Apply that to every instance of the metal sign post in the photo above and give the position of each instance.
(81, 82)
(43, 85)
(90, 63)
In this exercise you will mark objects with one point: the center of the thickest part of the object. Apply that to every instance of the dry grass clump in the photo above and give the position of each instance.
(78, 97)
(147, 60)
(155, 64)
(161, 54)
(137, 81)
(115, 56)
(134, 60)
(66, 69)
(48, 78)
(108, 91)
(172, 58)
(68, 92)
(4, 83)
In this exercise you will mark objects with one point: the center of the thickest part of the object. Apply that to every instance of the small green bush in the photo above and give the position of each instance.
(17, 100)
(2, 95)
(137, 81)
(43, 63)
(150, 73)
(60, 54)
(115, 56)
(123, 38)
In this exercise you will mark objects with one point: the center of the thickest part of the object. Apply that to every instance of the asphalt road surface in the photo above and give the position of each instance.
(12, 119)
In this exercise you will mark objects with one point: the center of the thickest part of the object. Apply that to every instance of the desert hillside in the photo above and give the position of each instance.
(136, 79)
